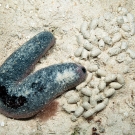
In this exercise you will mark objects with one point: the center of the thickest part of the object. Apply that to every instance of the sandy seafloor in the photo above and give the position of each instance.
(22, 19)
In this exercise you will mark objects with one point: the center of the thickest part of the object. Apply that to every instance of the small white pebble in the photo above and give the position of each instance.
(79, 111)
(115, 85)
(109, 92)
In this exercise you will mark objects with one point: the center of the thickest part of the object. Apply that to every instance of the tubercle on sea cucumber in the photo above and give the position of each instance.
(24, 97)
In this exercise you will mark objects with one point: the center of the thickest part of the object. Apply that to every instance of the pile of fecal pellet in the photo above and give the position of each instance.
(101, 40)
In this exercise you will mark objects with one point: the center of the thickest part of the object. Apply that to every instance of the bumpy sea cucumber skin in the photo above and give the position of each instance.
(20, 62)
(42, 87)
(25, 98)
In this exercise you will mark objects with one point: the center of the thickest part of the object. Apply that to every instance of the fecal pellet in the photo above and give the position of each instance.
(88, 78)
(120, 79)
(95, 52)
(87, 45)
(101, 72)
(73, 99)
(115, 85)
(79, 111)
(102, 85)
(116, 37)
(84, 54)
(110, 78)
(93, 68)
(94, 24)
(86, 91)
(86, 105)
(78, 52)
(109, 92)
(88, 113)
(101, 106)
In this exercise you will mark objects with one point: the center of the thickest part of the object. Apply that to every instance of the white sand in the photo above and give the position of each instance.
(22, 19)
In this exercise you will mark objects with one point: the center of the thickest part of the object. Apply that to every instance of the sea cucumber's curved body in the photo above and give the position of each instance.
(24, 97)
(19, 64)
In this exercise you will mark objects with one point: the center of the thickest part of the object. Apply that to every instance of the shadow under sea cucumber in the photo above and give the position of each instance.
(23, 95)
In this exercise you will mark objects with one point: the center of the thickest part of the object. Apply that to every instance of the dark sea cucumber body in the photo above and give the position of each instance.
(19, 64)
(24, 97)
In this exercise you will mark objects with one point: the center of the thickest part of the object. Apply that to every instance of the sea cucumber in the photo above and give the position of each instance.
(23, 95)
